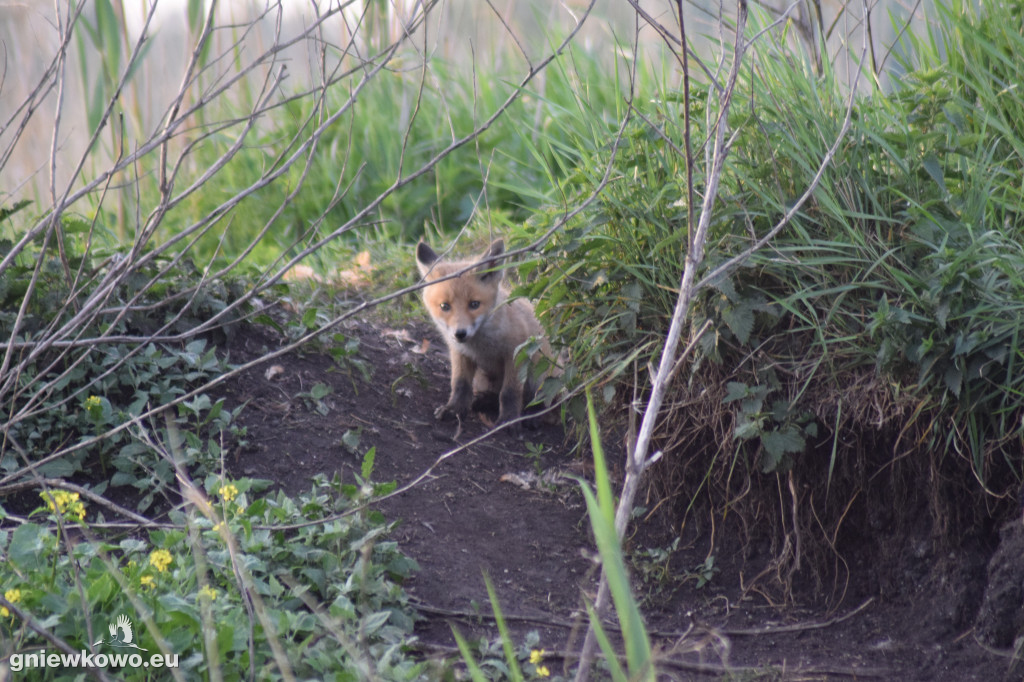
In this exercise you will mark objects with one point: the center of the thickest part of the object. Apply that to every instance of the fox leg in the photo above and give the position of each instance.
(463, 369)
(510, 399)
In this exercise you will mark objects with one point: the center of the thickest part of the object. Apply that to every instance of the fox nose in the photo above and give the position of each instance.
(460, 334)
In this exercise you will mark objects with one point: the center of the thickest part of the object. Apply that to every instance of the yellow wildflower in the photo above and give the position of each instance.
(147, 581)
(62, 502)
(228, 492)
(12, 596)
(75, 507)
(160, 559)
(208, 592)
(536, 657)
(93, 402)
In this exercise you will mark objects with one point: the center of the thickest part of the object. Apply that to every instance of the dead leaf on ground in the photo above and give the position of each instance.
(546, 480)
(515, 479)
(404, 336)
(358, 275)
(301, 273)
(399, 335)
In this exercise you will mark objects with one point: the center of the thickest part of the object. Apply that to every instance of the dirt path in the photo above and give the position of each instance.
(464, 520)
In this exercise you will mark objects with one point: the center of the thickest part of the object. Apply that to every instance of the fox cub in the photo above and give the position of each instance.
(482, 329)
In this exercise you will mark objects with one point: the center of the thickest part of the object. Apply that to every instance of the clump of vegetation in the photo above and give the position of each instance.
(73, 390)
(258, 583)
(879, 330)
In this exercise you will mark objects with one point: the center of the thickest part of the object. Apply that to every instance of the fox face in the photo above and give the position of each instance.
(462, 305)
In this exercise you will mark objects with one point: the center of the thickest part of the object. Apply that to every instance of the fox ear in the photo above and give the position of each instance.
(425, 257)
(496, 249)
(489, 260)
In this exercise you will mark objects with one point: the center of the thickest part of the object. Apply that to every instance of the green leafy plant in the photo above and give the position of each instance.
(653, 564)
(704, 573)
(534, 451)
(314, 397)
(500, 659)
(781, 433)
(224, 584)
(87, 397)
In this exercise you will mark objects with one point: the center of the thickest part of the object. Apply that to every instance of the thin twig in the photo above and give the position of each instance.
(84, 492)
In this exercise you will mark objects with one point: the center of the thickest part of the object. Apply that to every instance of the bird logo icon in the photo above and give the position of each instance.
(121, 634)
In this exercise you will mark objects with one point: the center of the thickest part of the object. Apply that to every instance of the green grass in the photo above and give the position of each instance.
(400, 121)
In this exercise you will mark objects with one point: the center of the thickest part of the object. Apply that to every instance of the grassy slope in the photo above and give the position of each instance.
(881, 331)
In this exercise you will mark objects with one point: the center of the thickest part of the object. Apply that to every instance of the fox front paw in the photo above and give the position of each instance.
(449, 412)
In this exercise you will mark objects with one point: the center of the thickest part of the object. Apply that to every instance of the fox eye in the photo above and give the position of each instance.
(473, 305)
(445, 307)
